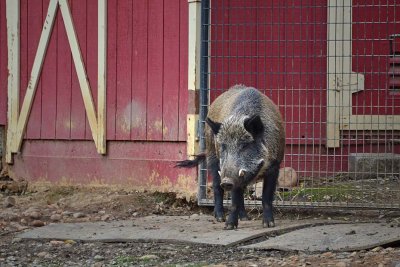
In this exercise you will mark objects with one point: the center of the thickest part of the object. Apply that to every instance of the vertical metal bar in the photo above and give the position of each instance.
(205, 8)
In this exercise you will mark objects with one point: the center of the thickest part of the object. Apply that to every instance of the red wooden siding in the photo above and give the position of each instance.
(146, 71)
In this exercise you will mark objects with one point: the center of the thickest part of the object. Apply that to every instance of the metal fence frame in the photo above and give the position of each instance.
(333, 68)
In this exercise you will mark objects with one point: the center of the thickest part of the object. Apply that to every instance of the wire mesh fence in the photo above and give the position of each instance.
(333, 68)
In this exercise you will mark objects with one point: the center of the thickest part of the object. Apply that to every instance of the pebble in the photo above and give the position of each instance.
(67, 213)
(327, 254)
(149, 257)
(9, 202)
(37, 223)
(98, 258)
(79, 215)
(44, 254)
(34, 215)
(105, 217)
(55, 243)
(55, 217)
(377, 249)
(341, 264)
(102, 212)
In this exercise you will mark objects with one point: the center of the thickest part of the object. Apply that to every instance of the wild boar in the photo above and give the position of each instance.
(245, 141)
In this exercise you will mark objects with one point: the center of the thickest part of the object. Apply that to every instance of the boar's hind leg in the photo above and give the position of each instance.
(269, 187)
(218, 191)
(237, 200)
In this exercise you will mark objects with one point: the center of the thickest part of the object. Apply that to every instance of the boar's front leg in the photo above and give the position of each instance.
(237, 202)
(213, 166)
(269, 187)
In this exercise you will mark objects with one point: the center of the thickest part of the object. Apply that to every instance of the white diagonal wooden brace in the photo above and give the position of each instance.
(17, 123)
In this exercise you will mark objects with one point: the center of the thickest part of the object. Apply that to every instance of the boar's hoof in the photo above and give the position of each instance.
(267, 224)
(230, 226)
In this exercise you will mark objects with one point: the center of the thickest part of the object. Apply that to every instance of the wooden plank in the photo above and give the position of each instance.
(91, 47)
(49, 87)
(111, 67)
(78, 115)
(64, 81)
(170, 104)
(13, 41)
(124, 70)
(35, 74)
(3, 63)
(102, 76)
(139, 70)
(25, 48)
(80, 68)
(183, 69)
(155, 70)
(36, 14)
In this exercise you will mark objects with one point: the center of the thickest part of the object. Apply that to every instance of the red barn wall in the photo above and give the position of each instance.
(146, 93)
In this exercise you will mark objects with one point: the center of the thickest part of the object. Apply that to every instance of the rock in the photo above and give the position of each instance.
(69, 242)
(37, 223)
(33, 214)
(341, 264)
(377, 249)
(287, 178)
(67, 213)
(78, 215)
(102, 212)
(98, 258)
(44, 254)
(327, 255)
(56, 243)
(55, 217)
(105, 217)
(149, 257)
(9, 202)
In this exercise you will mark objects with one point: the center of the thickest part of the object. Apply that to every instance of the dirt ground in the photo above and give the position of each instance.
(43, 204)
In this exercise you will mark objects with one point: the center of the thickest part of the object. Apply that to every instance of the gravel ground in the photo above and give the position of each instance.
(53, 204)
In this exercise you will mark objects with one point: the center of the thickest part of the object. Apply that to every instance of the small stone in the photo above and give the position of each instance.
(381, 265)
(105, 217)
(135, 214)
(376, 249)
(148, 257)
(55, 217)
(98, 258)
(44, 254)
(56, 243)
(102, 212)
(67, 213)
(327, 254)
(23, 221)
(69, 241)
(37, 223)
(34, 215)
(341, 264)
(79, 215)
(9, 202)
(11, 258)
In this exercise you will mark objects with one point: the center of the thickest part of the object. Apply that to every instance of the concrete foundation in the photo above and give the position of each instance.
(372, 165)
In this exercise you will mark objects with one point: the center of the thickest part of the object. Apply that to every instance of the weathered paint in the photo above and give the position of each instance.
(142, 165)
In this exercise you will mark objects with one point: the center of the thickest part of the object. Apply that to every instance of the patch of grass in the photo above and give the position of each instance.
(56, 193)
(340, 193)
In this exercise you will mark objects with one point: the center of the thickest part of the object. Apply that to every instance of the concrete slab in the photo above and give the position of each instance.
(193, 229)
(338, 237)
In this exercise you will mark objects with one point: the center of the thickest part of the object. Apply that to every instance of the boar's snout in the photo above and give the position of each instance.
(227, 183)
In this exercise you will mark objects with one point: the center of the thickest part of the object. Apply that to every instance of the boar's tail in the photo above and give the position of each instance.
(191, 163)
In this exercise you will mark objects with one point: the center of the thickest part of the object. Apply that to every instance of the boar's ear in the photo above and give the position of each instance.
(215, 126)
(254, 125)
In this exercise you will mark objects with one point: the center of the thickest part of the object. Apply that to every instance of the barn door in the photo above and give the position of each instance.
(359, 53)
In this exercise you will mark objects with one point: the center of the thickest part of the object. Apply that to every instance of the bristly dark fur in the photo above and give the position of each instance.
(191, 163)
